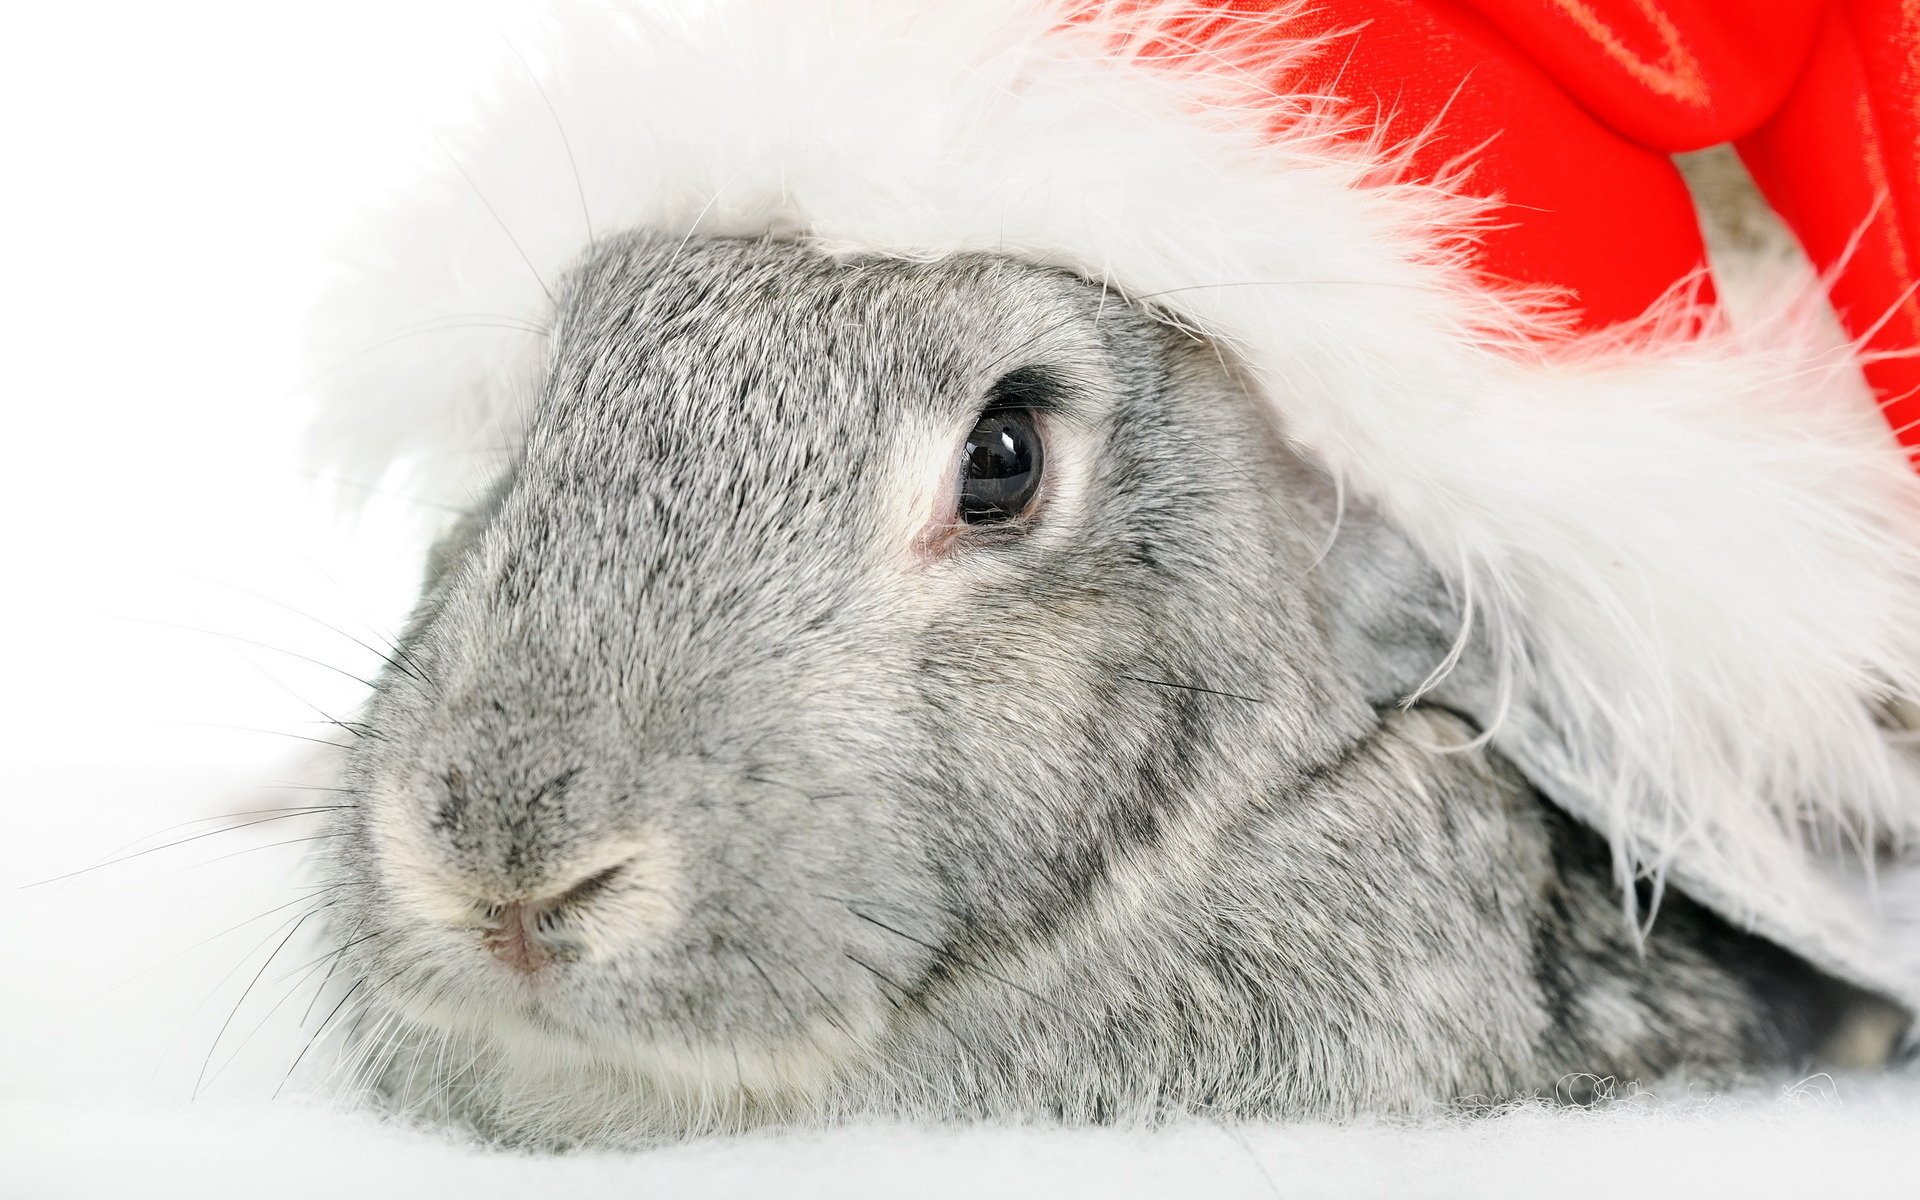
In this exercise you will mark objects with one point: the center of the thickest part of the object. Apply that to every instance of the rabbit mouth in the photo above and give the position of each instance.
(565, 988)
(546, 1046)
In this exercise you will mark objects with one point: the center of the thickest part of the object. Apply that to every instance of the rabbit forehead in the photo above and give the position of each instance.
(769, 340)
(753, 390)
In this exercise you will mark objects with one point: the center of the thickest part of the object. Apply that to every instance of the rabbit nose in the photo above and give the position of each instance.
(528, 934)
(516, 933)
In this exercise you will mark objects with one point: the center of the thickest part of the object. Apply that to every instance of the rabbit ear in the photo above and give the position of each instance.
(1406, 636)
(1394, 622)
(1401, 631)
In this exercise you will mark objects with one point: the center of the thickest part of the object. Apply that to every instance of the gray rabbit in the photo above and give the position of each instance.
(939, 688)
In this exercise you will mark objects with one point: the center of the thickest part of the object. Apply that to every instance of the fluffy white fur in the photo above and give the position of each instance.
(1704, 550)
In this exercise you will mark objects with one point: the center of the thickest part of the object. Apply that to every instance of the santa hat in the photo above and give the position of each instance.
(1449, 245)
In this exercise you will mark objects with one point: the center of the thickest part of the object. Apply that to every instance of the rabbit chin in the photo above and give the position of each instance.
(517, 1079)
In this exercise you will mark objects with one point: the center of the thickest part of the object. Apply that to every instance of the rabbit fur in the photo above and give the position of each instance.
(1116, 814)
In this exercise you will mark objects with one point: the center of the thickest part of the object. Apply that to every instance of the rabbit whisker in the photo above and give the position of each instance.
(305, 812)
(315, 1036)
(946, 955)
(245, 992)
(409, 668)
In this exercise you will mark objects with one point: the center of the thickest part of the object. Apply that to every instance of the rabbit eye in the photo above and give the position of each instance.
(1000, 467)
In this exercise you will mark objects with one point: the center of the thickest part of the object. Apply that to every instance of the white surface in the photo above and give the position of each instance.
(1830, 1152)
(116, 1002)
(172, 171)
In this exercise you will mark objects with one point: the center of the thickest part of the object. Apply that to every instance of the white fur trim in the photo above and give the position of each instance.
(1703, 549)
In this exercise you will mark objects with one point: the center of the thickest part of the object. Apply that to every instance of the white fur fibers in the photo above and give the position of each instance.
(1701, 553)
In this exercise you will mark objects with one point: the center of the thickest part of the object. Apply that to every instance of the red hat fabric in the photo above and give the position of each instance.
(1567, 113)
(1840, 160)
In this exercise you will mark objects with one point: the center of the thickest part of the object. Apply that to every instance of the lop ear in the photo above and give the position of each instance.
(1400, 630)
(1405, 635)
(1391, 618)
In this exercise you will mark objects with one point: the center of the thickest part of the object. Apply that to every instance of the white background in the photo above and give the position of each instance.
(176, 175)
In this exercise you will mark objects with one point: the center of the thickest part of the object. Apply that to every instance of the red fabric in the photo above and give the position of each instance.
(1421, 67)
(1569, 111)
(1670, 75)
(1846, 145)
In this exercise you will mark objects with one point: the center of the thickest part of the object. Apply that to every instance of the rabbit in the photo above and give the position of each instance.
(937, 689)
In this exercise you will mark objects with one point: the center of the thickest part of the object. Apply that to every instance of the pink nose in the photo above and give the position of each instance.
(526, 935)
(515, 935)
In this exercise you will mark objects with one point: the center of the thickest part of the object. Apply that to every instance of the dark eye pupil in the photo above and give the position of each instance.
(999, 467)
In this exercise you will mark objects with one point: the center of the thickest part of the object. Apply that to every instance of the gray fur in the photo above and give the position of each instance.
(1114, 818)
